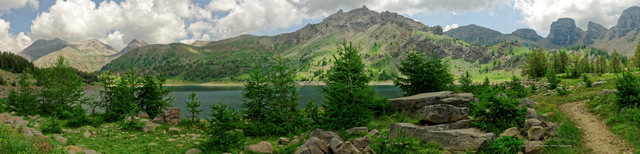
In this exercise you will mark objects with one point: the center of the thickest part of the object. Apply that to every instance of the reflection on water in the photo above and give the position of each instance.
(232, 96)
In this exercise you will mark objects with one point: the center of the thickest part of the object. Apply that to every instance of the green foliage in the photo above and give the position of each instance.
(586, 80)
(349, 101)
(193, 106)
(563, 91)
(61, 89)
(516, 89)
(466, 82)
(223, 134)
(636, 57)
(271, 100)
(495, 114)
(76, 117)
(312, 113)
(53, 126)
(131, 124)
(505, 145)
(616, 63)
(553, 79)
(628, 93)
(423, 75)
(132, 93)
(24, 100)
(13, 63)
(403, 144)
(486, 82)
(536, 64)
(12, 141)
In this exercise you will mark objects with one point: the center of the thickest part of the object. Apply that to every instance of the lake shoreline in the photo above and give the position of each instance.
(300, 83)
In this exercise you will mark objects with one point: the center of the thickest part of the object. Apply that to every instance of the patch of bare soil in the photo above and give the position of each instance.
(597, 135)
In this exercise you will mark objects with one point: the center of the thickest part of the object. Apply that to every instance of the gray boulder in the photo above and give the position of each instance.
(531, 113)
(535, 133)
(451, 139)
(358, 130)
(598, 83)
(313, 145)
(527, 102)
(511, 132)
(411, 104)
(531, 122)
(362, 143)
(551, 130)
(443, 113)
(172, 117)
(347, 148)
(325, 136)
(533, 146)
(262, 147)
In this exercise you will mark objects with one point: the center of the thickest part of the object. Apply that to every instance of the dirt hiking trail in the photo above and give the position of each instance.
(597, 135)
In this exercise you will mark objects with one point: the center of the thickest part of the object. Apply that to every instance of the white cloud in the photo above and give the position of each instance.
(154, 21)
(539, 14)
(450, 27)
(10, 42)
(7, 5)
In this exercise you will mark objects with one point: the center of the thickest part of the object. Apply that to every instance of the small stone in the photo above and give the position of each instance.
(535, 133)
(531, 113)
(142, 115)
(533, 146)
(511, 132)
(61, 140)
(86, 134)
(171, 140)
(283, 141)
(358, 130)
(531, 122)
(73, 149)
(88, 151)
(174, 130)
(374, 132)
(193, 151)
(153, 143)
(262, 147)
(362, 143)
(179, 145)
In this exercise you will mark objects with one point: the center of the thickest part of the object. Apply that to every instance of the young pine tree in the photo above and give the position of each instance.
(636, 57)
(466, 82)
(536, 64)
(616, 63)
(193, 106)
(222, 133)
(423, 75)
(152, 93)
(552, 78)
(349, 101)
(61, 89)
(24, 99)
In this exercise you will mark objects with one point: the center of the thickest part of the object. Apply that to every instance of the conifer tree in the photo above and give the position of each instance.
(423, 75)
(536, 64)
(636, 57)
(193, 106)
(616, 64)
(349, 101)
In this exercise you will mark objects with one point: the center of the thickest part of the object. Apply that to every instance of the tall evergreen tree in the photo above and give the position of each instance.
(24, 99)
(423, 75)
(61, 89)
(564, 61)
(536, 64)
(348, 99)
(616, 64)
(636, 57)
(466, 82)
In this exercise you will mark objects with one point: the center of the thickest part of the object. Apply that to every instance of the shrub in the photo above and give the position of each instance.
(466, 83)
(505, 145)
(403, 144)
(536, 64)
(193, 106)
(53, 126)
(223, 134)
(495, 114)
(553, 79)
(131, 124)
(586, 80)
(76, 117)
(349, 101)
(628, 86)
(562, 91)
(423, 75)
(61, 89)
(516, 89)
(24, 100)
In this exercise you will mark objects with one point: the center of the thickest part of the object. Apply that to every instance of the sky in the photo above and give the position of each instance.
(117, 22)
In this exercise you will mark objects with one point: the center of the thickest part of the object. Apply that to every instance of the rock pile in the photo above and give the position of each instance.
(325, 142)
(536, 129)
(19, 122)
(445, 119)
(172, 116)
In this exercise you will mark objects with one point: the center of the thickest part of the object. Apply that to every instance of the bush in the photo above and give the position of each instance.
(61, 89)
(466, 83)
(77, 117)
(586, 80)
(628, 93)
(562, 91)
(24, 100)
(53, 126)
(516, 90)
(403, 144)
(131, 124)
(505, 145)
(495, 114)
(423, 75)
(553, 79)
(223, 134)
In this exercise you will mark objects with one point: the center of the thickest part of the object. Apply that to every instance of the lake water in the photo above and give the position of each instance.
(232, 96)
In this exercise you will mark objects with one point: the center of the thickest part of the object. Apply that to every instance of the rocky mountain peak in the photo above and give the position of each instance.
(564, 32)
(42, 47)
(594, 31)
(527, 34)
(94, 45)
(628, 21)
(133, 45)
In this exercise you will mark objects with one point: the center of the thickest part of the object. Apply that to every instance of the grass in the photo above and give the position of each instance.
(12, 141)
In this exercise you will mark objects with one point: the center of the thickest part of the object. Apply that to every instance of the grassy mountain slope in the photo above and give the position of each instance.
(383, 39)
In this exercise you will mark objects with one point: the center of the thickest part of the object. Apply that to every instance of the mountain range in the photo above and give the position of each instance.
(622, 37)
(382, 37)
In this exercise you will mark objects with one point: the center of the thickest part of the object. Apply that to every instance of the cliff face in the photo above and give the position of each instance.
(564, 32)
(628, 21)
(527, 34)
(594, 32)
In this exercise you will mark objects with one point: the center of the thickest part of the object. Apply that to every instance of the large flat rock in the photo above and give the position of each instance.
(453, 139)
(411, 104)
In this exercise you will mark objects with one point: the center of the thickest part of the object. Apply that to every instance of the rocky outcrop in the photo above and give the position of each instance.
(629, 20)
(594, 32)
(450, 138)
(527, 34)
(536, 129)
(328, 142)
(172, 117)
(412, 104)
(133, 45)
(443, 113)
(564, 32)
(42, 47)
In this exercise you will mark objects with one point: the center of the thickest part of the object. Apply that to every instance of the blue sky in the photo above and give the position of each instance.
(116, 22)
